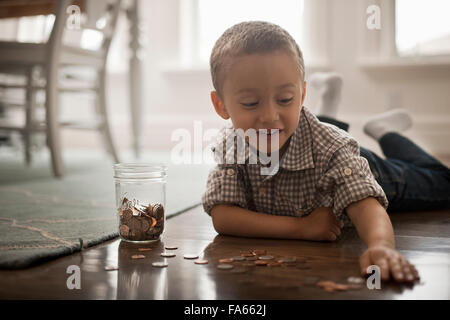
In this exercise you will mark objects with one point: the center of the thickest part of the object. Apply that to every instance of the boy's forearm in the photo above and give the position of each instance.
(236, 221)
(372, 222)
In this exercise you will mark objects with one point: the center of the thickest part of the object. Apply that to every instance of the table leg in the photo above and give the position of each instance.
(136, 80)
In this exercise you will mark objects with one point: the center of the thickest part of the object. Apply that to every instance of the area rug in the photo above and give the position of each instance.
(42, 218)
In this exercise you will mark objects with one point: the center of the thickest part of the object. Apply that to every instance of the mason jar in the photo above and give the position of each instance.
(140, 201)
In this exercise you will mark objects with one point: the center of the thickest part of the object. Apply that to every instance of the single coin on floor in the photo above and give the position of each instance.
(168, 254)
(171, 248)
(159, 264)
(137, 256)
(267, 257)
(226, 260)
(190, 256)
(201, 261)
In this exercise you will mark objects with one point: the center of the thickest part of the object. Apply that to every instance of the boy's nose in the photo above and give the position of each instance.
(269, 115)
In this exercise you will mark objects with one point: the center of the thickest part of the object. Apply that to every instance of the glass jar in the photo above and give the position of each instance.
(140, 200)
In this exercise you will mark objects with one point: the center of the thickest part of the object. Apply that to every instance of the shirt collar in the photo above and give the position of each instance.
(298, 156)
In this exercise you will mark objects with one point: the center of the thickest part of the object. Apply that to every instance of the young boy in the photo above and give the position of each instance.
(320, 182)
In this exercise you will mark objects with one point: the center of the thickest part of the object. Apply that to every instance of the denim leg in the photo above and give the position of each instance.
(407, 186)
(341, 125)
(396, 146)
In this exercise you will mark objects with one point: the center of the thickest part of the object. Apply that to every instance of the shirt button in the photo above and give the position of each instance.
(230, 171)
(348, 171)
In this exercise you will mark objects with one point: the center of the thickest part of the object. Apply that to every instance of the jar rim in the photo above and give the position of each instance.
(149, 167)
(148, 171)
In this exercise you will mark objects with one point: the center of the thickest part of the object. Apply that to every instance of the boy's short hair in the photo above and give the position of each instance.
(248, 38)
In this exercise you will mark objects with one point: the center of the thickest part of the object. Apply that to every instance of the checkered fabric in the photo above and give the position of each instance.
(321, 167)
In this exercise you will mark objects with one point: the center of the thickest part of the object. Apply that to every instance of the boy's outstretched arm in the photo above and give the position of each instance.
(375, 229)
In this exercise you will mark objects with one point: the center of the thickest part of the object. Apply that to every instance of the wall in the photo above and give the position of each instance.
(175, 97)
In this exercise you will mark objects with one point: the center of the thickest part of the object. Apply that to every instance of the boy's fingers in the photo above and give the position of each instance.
(364, 262)
(397, 269)
(384, 268)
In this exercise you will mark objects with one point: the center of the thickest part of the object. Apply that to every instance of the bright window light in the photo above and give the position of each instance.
(422, 27)
(215, 16)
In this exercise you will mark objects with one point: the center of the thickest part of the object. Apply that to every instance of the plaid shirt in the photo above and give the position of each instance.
(321, 167)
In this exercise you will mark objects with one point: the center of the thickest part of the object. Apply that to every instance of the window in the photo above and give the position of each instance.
(210, 18)
(422, 27)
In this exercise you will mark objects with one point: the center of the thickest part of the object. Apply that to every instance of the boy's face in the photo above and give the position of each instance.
(262, 91)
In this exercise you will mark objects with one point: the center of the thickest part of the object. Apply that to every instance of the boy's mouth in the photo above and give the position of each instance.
(269, 131)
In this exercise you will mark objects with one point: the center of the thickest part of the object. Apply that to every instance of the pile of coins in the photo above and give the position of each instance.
(140, 223)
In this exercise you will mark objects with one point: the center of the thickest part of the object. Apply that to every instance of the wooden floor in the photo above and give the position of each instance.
(424, 238)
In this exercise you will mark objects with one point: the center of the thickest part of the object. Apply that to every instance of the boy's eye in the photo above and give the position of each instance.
(284, 101)
(250, 104)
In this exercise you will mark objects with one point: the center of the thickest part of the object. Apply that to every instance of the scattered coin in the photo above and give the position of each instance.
(225, 266)
(268, 257)
(239, 270)
(252, 258)
(159, 264)
(201, 261)
(137, 256)
(144, 249)
(168, 254)
(355, 280)
(287, 260)
(259, 252)
(331, 286)
(190, 256)
(261, 262)
(171, 248)
(238, 258)
(226, 260)
(245, 254)
(111, 268)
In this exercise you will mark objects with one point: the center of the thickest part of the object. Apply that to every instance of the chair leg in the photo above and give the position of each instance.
(52, 119)
(102, 109)
(29, 116)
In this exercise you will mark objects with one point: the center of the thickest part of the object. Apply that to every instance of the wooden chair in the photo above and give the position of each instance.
(54, 56)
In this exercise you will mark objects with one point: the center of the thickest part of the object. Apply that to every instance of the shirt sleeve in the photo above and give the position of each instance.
(349, 179)
(223, 187)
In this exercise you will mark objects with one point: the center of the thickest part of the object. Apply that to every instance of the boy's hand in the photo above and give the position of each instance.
(391, 263)
(321, 225)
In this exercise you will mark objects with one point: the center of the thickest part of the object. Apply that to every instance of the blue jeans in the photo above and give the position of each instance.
(411, 178)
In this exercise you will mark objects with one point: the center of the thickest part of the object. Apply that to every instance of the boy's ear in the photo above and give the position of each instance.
(303, 92)
(219, 106)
